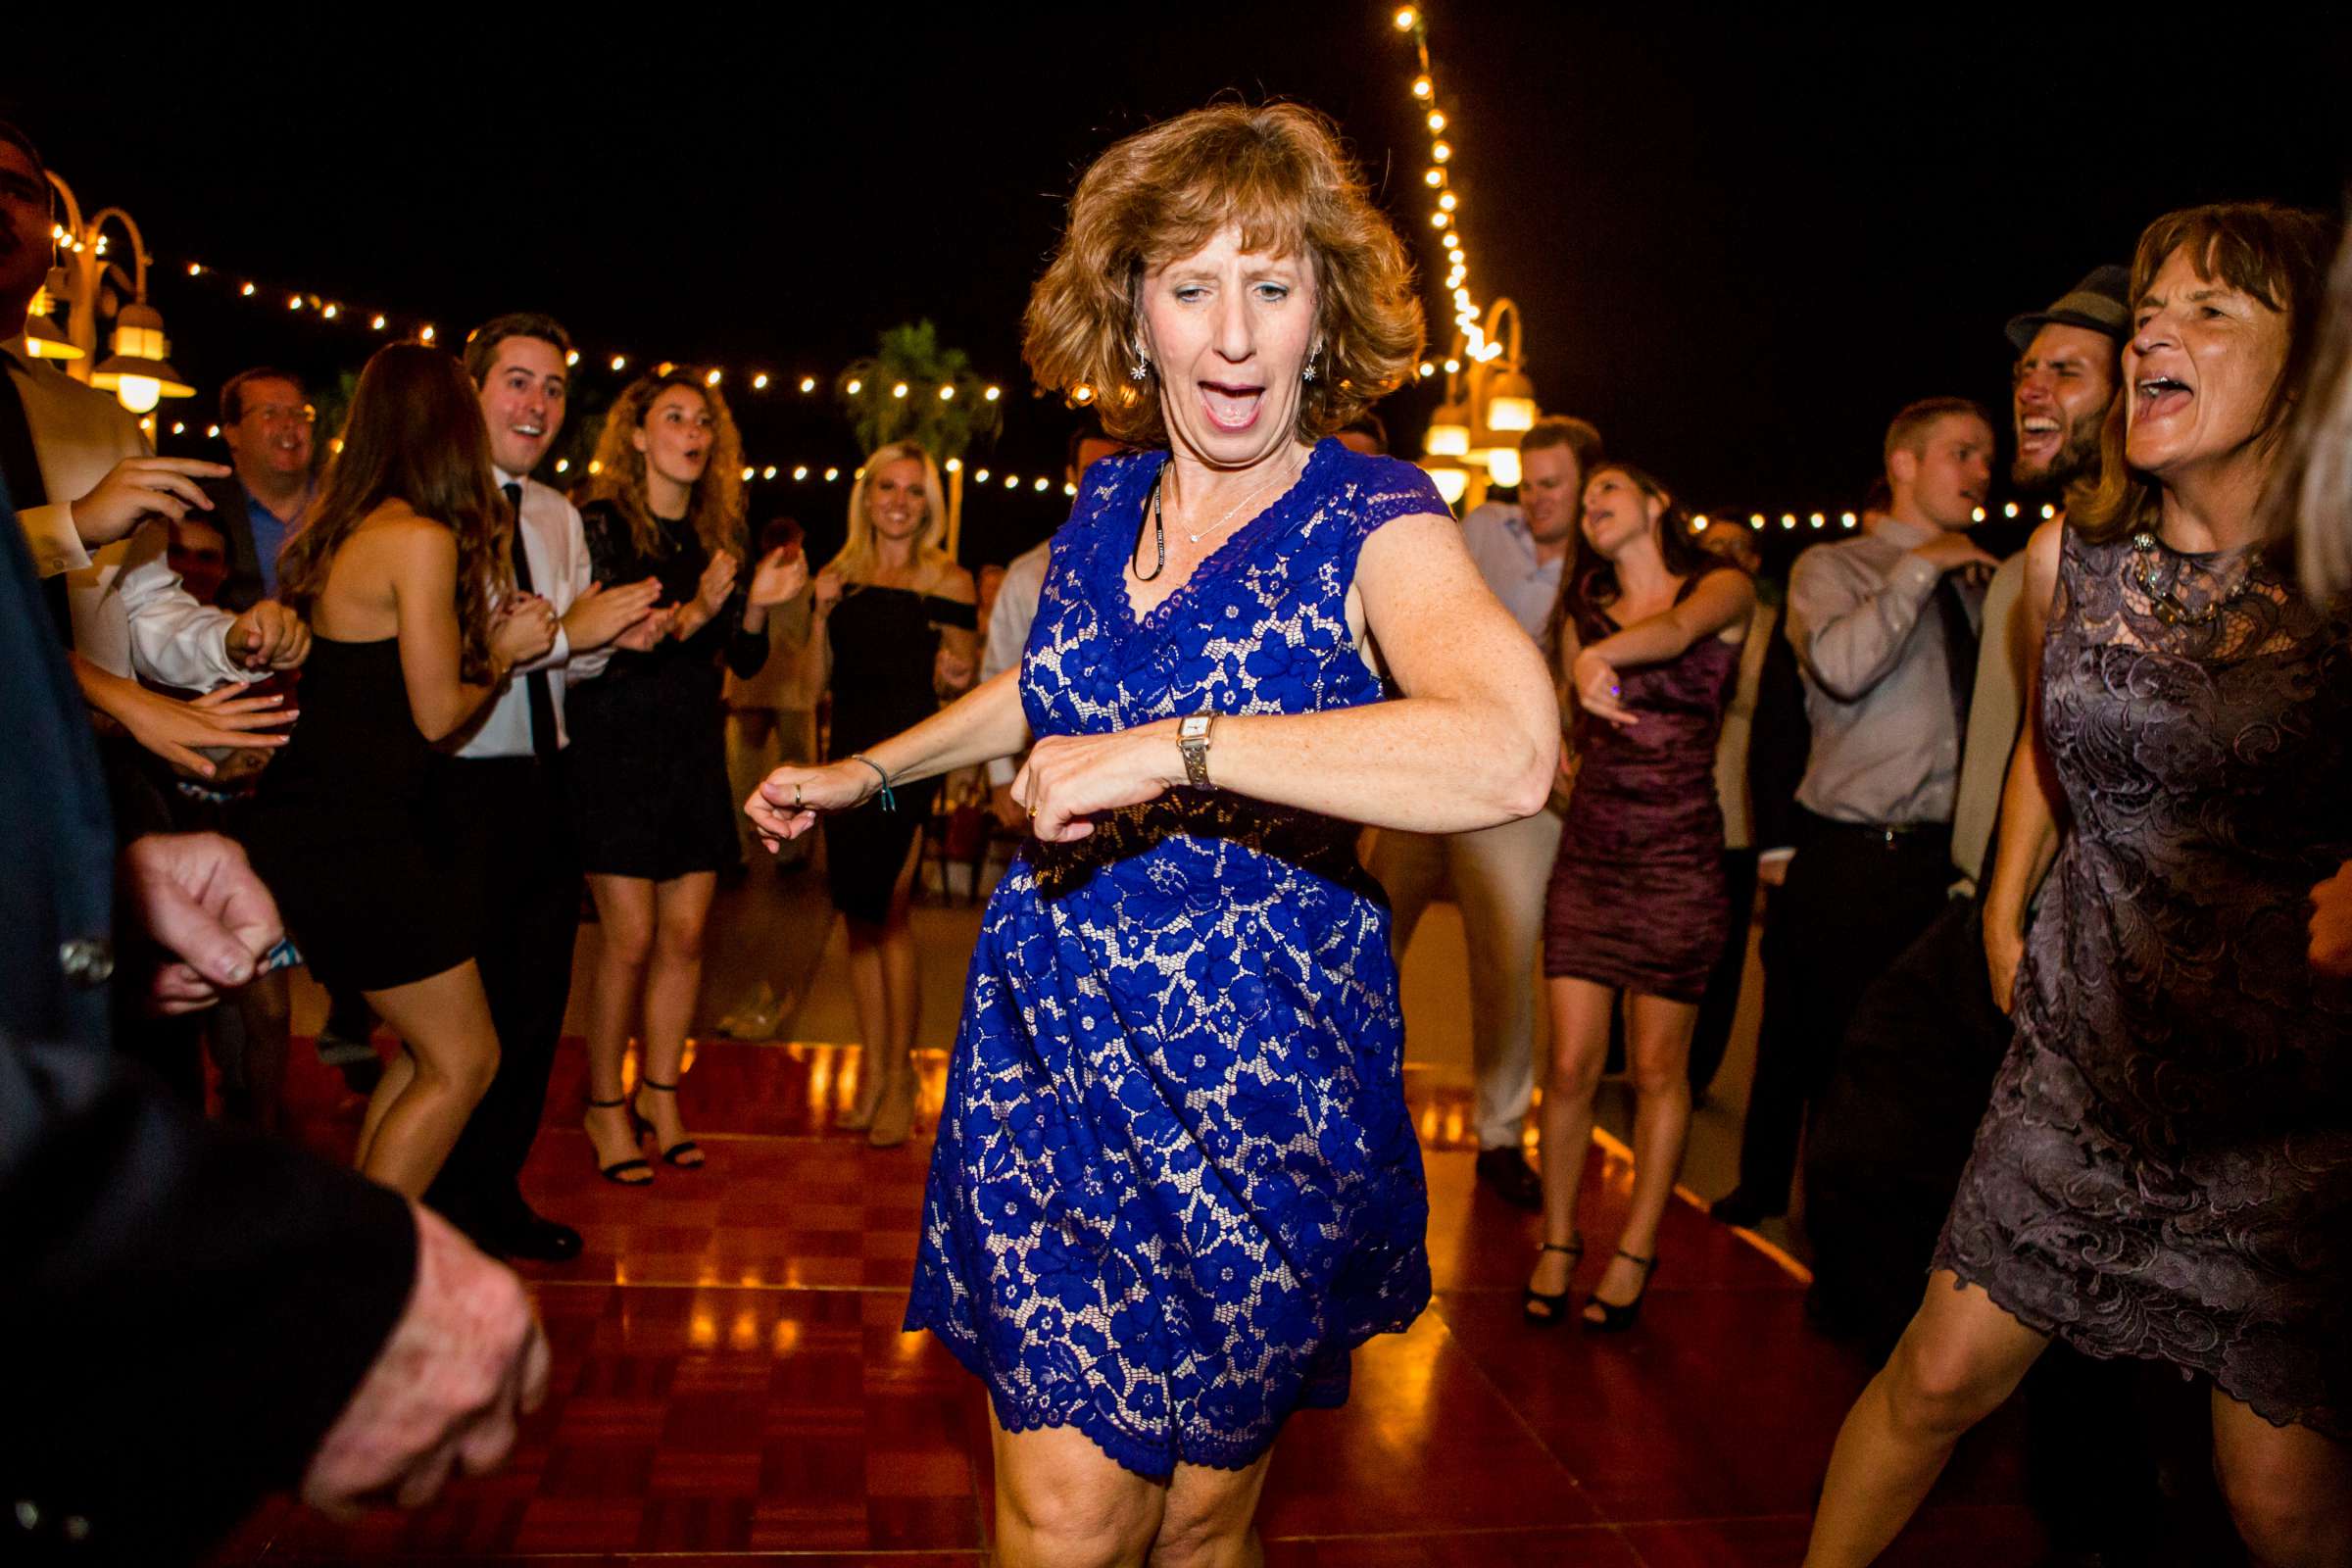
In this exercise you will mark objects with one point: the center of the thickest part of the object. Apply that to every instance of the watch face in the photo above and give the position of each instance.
(1193, 728)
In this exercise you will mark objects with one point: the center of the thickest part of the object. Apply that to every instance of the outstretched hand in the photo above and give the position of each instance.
(790, 800)
(1069, 779)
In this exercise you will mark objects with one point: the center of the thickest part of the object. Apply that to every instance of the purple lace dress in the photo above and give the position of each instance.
(1637, 898)
(2166, 1168)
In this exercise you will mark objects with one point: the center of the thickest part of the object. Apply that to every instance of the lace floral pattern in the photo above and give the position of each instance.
(2165, 1167)
(1175, 1183)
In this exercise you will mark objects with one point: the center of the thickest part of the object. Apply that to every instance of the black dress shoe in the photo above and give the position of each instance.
(1741, 1208)
(525, 1235)
(1512, 1178)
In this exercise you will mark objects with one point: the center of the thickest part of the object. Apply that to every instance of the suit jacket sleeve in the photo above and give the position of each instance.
(190, 1310)
(1777, 746)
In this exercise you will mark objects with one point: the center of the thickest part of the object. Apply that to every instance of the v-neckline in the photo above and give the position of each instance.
(1135, 621)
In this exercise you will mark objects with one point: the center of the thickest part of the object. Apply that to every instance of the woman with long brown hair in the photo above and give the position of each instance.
(1647, 634)
(401, 570)
(647, 767)
(2165, 1170)
(901, 629)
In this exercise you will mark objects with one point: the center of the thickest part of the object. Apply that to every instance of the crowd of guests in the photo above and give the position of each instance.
(2047, 1012)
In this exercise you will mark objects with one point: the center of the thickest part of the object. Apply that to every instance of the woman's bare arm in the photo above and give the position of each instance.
(2029, 821)
(420, 561)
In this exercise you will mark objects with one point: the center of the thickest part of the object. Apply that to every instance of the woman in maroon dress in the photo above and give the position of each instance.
(1647, 631)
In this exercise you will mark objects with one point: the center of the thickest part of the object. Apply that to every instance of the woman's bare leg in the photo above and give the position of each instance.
(452, 1046)
(672, 983)
(1580, 1050)
(2289, 1489)
(1960, 1358)
(390, 1085)
(624, 914)
(1657, 1043)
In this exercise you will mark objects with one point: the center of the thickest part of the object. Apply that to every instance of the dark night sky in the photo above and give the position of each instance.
(1738, 244)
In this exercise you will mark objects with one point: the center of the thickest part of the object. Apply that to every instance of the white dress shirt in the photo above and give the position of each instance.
(1009, 623)
(131, 618)
(556, 545)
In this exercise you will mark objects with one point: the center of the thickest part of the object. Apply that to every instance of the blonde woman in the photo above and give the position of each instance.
(647, 766)
(901, 626)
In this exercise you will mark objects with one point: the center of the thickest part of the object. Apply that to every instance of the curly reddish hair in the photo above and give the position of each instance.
(1282, 175)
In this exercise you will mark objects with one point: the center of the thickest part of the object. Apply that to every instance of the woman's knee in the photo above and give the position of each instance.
(679, 941)
(1938, 1386)
(463, 1075)
(1076, 1526)
(1576, 1070)
(2286, 1512)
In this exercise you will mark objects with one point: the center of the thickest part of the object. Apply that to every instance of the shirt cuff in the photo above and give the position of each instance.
(57, 545)
(1777, 856)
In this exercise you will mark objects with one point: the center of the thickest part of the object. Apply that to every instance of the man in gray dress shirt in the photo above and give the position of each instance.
(1499, 875)
(1884, 627)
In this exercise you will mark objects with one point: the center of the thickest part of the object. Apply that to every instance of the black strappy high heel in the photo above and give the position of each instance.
(618, 1173)
(1539, 1306)
(1617, 1317)
(675, 1153)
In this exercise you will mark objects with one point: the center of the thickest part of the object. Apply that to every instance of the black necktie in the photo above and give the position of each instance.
(21, 466)
(1959, 647)
(544, 742)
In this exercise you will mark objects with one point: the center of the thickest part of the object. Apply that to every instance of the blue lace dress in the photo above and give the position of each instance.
(1175, 1183)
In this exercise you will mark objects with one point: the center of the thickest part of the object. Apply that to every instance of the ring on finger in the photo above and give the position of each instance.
(795, 798)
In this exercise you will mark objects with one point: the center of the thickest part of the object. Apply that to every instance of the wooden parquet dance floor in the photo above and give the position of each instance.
(732, 1387)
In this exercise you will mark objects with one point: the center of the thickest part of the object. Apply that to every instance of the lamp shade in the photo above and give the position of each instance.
(1511, 404)
(1449, 432)
(44, 339)
(137, 373)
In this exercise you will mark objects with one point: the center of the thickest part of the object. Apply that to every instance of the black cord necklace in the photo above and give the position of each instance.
(1160, 534)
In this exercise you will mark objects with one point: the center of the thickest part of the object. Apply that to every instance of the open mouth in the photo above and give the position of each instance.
(2038, 435)
(1231, 405)
(528, 432)
(2160, 395)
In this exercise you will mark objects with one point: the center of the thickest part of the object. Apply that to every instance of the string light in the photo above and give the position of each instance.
(807, 383)
(768, 472)
(571, 356)
(711, 379)
(954, 465)
(981, 477)
(620, 362)
(799, 470)
(760, 383)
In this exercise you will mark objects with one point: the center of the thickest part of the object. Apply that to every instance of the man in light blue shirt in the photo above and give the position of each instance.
(267, 420)
(1499, 875)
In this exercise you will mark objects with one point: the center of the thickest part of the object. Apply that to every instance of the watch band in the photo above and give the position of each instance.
(1192, 740)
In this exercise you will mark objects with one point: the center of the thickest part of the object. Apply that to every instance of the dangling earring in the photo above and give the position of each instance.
(1142, 365)
(1308, 373)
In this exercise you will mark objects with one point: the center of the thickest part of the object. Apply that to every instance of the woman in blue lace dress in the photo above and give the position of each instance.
(1175, 1184)
(2165, 1169)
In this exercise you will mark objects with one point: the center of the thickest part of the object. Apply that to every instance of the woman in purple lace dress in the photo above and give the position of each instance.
(1647, 633)
(2165, 1171)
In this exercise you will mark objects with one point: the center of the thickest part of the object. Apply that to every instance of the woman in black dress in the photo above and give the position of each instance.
(902, 626)
(403, 572)
(2165, 1171)
(647, 766)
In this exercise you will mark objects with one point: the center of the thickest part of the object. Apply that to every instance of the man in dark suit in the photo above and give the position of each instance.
(198, 1317)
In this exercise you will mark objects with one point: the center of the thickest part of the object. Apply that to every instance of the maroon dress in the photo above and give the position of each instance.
(1638, 898)
(2165, 1171)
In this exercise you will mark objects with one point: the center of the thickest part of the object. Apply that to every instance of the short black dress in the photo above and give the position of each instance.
(647, 764)
(347, 830)
(884, 642)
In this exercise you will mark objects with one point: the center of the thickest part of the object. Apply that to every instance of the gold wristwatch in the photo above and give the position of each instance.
(1192, 739)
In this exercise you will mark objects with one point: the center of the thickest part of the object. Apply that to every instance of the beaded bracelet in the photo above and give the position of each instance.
(890, 802)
